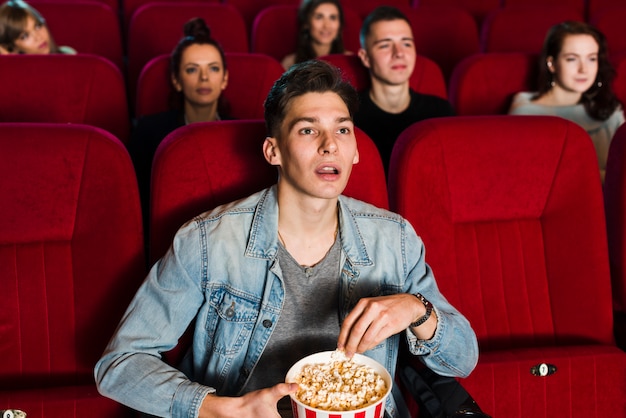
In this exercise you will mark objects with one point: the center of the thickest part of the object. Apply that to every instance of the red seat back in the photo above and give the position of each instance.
(484, 84)
(503, 203)
(249, 9)
(131, 6)
(365, 7)
(427, 77)
(94, 29)
(275, 29)
(594, 7)
(479, 9)
(510, 210)
(156, 28)
(578, 6)
(610, 22)
(444, 34)
(250, 78)
(71, 258)
(203, 165)
(69, 89)
(510, 30)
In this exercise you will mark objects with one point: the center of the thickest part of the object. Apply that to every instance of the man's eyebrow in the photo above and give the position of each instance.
(310, 119)
(404, 38)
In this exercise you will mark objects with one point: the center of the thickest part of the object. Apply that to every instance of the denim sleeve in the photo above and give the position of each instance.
(453, 350)
(131, 370)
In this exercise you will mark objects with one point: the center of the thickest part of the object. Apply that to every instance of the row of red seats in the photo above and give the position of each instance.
(514, 227)
(446, 34)
(89, 89)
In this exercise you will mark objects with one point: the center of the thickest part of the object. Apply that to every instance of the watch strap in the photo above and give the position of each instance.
(429, 309)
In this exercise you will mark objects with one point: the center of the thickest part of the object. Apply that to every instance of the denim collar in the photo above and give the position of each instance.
(263, 241)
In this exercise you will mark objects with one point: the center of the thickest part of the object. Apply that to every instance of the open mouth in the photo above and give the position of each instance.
(327, 169)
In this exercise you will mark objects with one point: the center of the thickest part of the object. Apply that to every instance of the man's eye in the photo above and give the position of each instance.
(306, 131)
(344, 131)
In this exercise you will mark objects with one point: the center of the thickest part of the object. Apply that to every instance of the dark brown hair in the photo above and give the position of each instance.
(306, 77)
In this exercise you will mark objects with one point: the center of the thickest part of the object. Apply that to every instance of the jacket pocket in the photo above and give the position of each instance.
(231, 321)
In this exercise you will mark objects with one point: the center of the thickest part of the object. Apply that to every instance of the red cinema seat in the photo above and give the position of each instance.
(156, 28)
(203, 165)
(578, 6)
(83, 89)
(365, 7)
(615, 206)
(249, 9)
(71, 258)
(250, 77)
(444, 34)
(112, 4)
(511, 212)
(523, 28)
(484, 84)
(94, 28)
(479, 9)
(131, 6)
(275, 28)
(427, 77)
(610, 22)
(594, 7)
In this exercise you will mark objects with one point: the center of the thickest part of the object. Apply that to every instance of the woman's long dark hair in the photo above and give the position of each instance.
(304, 48)
(195, 31)
(599, 101)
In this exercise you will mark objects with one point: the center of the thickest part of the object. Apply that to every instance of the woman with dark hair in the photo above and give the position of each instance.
(575, 81)
(320, 25)
(23, 30)
(198, 75)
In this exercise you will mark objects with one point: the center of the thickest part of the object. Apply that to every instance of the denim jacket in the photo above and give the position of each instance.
(222, 275)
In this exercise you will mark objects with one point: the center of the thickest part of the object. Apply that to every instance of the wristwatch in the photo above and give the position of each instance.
(429, 309)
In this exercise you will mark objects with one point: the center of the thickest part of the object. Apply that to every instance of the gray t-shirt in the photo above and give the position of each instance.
(309, 321)
(600, 131)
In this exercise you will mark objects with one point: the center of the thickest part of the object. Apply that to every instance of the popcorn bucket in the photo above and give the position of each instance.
(374, 410)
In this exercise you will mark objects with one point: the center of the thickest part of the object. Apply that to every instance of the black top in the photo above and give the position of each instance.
(384, 128)
(149, 132)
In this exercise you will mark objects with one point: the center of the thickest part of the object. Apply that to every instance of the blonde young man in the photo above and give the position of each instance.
(389, 106)
(293, 269)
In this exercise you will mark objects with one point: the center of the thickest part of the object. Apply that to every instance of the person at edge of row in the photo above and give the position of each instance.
(575, 83)
(291, 270)
(198, 76)
(320, 31)
(23, 30)
(390, 106)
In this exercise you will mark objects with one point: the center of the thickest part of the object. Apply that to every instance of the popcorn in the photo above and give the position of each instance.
(340, 385)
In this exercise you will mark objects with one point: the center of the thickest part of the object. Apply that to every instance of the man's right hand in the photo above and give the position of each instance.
(258, 404)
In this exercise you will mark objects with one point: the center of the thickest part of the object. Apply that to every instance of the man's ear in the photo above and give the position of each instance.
(365, 59)
(356, 158)
(271, 151)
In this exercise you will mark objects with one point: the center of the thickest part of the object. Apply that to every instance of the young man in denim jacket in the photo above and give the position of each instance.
(291, 270)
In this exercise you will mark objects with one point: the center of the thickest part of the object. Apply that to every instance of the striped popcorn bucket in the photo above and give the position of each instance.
(374, 410)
